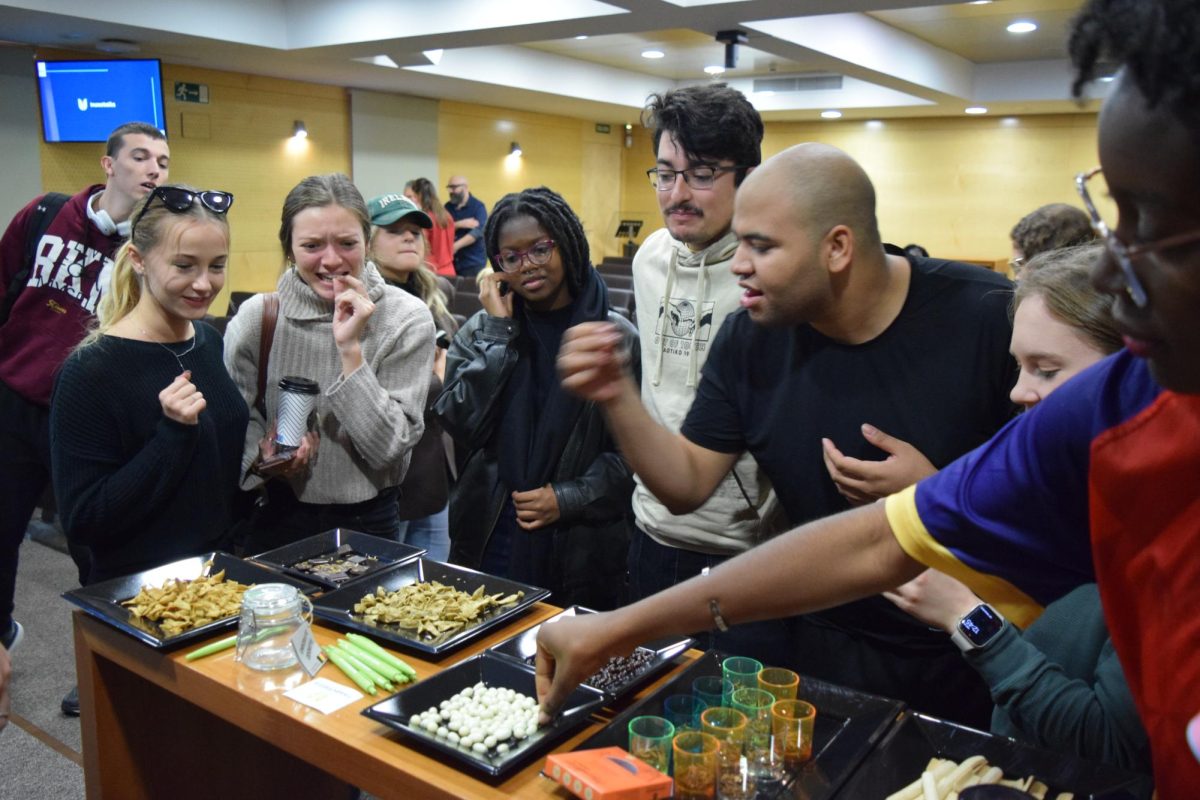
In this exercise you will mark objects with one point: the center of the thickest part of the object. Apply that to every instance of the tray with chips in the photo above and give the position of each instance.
(108, 600)
(902, 756)
(338, 557)
(339, 606)
(624, 677)
(848, 725)
(493, 671)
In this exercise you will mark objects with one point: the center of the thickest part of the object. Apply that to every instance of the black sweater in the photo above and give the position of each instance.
(134, 487)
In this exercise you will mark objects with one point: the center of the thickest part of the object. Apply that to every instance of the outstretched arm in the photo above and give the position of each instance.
(825, 563)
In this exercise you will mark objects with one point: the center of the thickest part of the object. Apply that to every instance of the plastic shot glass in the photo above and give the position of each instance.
(650, 740)
(696, 756)
(713, 690)
(783, 684)
(742, 671)
(792, 723)
(683, 711)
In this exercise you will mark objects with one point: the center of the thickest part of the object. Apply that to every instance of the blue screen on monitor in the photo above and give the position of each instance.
(83, 101)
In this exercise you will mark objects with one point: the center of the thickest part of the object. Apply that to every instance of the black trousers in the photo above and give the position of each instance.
(24, 475)
(285, 519)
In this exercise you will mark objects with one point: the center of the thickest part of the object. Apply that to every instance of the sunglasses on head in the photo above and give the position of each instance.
(179, 200)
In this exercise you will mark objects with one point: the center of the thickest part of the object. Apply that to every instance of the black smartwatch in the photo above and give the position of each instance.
(978, 627)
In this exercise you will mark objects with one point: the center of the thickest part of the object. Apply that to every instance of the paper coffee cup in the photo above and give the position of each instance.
(297, 399)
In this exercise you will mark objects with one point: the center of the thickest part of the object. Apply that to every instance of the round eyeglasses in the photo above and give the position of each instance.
(538, 255)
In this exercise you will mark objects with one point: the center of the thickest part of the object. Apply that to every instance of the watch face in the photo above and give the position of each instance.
(981, 625)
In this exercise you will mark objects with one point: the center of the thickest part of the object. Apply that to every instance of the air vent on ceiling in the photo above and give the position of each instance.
(798, 83)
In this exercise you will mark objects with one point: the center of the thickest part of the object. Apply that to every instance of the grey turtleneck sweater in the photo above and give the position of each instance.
(369, 420)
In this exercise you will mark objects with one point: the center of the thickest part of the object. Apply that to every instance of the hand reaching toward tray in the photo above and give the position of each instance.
(569, 650)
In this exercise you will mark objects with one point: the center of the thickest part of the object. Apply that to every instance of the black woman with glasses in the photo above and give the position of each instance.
(146, 425)
(543, 496)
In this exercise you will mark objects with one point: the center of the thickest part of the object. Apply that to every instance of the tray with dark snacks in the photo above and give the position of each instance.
(338, 557)
(482, 714)
(621, 676)
(848, 725)
(899, 760)
(397, 605)
(111, 600)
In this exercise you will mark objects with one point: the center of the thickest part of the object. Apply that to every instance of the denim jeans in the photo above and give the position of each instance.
(431, 533)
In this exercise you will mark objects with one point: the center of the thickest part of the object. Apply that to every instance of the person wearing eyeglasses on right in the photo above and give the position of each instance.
(543, 496)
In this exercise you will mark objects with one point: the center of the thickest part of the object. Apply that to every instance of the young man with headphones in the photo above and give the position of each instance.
(49, 289)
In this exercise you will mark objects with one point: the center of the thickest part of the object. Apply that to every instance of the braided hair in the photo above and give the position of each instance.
(1156, 42)
(556, 218)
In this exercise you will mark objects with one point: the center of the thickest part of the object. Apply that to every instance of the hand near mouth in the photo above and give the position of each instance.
(496, 302)
(351, 310)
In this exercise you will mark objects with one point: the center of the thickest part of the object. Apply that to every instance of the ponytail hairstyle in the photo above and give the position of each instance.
(427, 199)
(154, 221)
(558, 221)
(318, 191)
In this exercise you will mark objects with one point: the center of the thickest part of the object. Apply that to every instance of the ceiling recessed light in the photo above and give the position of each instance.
(975, 110)
(831, 114)
(653, 54)
(874, 124)
(1022, 26)
(979, 3)
(581, 36)
(1010, 122)
(714, 69)
(1107, 78)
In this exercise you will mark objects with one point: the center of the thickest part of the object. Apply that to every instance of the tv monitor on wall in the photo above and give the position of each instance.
(82, 101)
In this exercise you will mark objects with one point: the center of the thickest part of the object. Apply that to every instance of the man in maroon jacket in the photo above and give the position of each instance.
(49, 314)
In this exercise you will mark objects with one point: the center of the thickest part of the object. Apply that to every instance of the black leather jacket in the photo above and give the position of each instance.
(592, 483)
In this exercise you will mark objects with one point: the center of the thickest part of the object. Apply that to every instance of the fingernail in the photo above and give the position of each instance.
(869, 430)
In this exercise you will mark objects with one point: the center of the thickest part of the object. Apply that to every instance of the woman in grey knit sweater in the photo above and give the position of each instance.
(369, 346)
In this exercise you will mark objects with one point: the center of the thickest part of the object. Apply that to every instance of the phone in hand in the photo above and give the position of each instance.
(268, 465)
(504, 288)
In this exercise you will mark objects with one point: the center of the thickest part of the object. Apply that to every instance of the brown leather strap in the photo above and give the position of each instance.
(270, 316)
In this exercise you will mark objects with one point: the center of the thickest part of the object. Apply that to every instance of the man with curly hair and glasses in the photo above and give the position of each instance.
(1098, 482)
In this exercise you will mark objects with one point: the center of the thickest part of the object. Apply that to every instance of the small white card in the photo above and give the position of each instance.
(324, 695)
(306, 650)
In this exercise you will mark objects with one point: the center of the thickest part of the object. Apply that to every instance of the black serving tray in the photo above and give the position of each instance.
(387, 552)
(493, 671)
(901, 756)
(338, 606)
(848, 725)
(523, 647)
(103, 600)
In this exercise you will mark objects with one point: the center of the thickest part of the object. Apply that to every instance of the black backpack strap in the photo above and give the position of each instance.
(45, 212)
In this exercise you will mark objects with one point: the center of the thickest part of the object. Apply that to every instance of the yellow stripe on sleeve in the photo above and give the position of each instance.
(912, 536)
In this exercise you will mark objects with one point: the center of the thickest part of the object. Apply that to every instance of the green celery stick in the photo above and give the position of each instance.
(375, 649)
(209, 649)
(373, 661)
(345, 666)
(365, 669)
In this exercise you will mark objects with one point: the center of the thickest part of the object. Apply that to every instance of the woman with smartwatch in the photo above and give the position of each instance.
(1058, 684)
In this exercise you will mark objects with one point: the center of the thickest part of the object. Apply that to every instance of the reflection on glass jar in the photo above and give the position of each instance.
(272, 613)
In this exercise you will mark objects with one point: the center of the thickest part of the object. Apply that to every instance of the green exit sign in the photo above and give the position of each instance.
(603, 127)
(191, 92)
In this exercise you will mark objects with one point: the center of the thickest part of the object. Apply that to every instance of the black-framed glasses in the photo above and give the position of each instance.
(538, 255)
(701, 177)
(179, 200)
(1126, 253)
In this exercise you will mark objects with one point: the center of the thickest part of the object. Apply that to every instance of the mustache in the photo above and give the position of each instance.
(685, 208)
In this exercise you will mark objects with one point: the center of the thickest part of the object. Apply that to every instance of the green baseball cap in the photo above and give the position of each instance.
(387, 208)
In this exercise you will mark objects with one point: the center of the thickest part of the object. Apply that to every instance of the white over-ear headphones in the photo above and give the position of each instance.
(103, 222)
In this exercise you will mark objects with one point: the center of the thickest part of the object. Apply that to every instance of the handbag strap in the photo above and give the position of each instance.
(270, 316)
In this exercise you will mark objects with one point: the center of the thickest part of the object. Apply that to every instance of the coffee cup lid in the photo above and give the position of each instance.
(295, 383)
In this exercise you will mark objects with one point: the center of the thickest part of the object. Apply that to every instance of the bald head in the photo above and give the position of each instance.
(459, 190)
(825, 188)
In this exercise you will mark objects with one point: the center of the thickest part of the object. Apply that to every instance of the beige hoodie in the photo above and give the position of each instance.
(681, 299)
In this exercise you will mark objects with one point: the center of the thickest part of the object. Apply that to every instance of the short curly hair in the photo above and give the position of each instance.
(714, 121)
(1155, 40)
(1051, 227)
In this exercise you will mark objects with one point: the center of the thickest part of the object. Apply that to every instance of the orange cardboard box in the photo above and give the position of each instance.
(609, 773)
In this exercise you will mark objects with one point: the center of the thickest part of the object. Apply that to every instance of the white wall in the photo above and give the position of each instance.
(20, 131)
(393, 139)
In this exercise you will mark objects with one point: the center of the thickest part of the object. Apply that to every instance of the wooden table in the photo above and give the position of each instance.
(155, 725)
